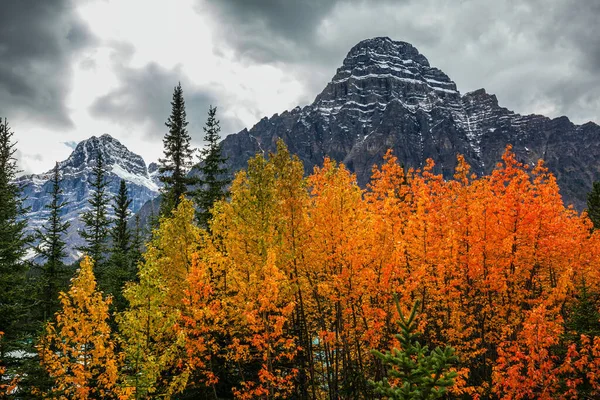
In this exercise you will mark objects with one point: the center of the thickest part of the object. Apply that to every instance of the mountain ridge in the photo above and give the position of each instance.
(76, 170)
(386, 95)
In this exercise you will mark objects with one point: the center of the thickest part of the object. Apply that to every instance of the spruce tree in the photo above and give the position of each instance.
(584, 317)
(120, 270)
(593, 204)
(51, 247)
(13, 241)
(420, 374)
(178, 153)
(137, 243)
(96, 220)
(214, 180)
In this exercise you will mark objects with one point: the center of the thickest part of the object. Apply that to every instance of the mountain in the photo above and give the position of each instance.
(76, 172)
(387, 95)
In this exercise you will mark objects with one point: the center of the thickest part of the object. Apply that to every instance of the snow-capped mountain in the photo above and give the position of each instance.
(387, 95)
(76, 173)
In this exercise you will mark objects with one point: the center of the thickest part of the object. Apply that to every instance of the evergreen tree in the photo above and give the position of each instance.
(51, 247)
(214, 180)
(121, 269)
(178, 153)
(96, 220)
(13, 242)
(593, 204)
(584, 317)
(421, 374)
(137, 243)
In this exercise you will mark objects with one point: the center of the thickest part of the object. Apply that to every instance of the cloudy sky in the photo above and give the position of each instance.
(70, 69)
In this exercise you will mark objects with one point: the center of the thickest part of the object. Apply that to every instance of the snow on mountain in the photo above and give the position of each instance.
(387, 95)
(384, 95)
(76, 172)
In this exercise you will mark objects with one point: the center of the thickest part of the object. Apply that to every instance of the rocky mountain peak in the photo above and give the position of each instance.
(386, 95)
(378, 71)
(152, 167)
(121, 163)
(384, 48)
(115, 154)
(480, 96)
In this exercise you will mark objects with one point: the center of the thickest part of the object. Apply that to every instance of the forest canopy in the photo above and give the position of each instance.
(292, 286)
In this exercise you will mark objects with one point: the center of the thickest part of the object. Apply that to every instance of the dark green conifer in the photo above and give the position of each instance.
(120, 268)
(584, 317)
(593, 204)
(51, 248)
(14, 296)
(137, 244)
(213, 175)
(421, 374)
(96, 219)
(178, 154)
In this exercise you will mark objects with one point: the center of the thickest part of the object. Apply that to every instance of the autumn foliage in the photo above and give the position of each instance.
(294, 285)
(77, 349)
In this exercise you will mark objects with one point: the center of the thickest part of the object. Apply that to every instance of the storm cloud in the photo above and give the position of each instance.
(141, 102)
(82, 67)
(38, 40)
(537, 56)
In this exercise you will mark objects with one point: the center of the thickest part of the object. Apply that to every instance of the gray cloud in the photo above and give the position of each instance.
(38, 39)
(142, 100)
(537, 55)
(270, 30)
(25, 161)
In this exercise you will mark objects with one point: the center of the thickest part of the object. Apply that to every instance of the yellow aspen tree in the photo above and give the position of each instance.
(154, 341)
(77, 350)
(294, 227)
(176, 241)
(260, 299)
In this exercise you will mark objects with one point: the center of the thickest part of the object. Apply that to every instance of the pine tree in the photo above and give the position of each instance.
(422, 374)
(13, 242)
(96, 220)
(584, 317)
(593, 204)
(178, 154)
(121, 269)
(214, 180)
(137, 243)
(77, 350)
(51, 247)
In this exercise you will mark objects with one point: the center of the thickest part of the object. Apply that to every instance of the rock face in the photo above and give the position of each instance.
(77, 172)
(386, 95)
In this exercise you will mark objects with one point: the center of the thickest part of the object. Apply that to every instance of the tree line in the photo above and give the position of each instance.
(31, 292)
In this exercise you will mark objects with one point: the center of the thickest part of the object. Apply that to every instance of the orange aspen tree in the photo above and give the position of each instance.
(203, 322)
(527, 368)
(260, 299)
(341, 273)
(477, 252)
(77, 350)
